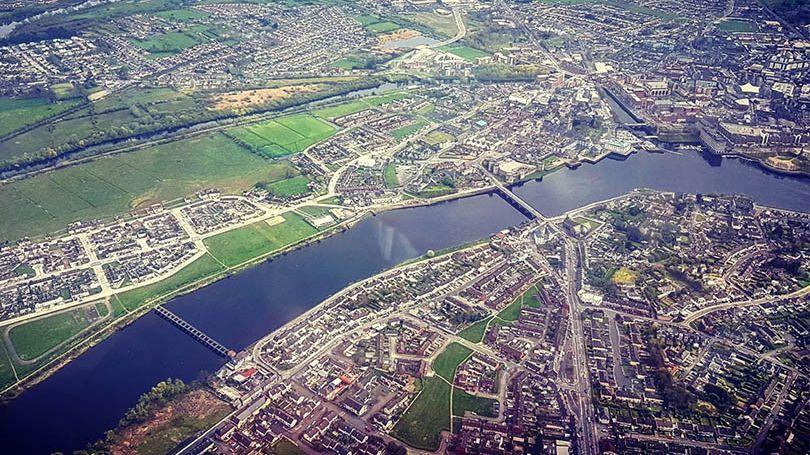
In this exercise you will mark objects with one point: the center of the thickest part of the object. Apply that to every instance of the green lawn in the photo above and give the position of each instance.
(382, 27)
(286, 447)
(115, 185)
(401, 133)
(737, 26)
(16, 113)
(182, 15)
(390, 176)
(6, 372)
(422, 424)
(342, 110)
(476, 331)
(35, 338)
(295, 186)
(284, 135)
(463, 401)
(445, 363)
(204, 267)
(465, 52)
(512, 312)
(248, 242)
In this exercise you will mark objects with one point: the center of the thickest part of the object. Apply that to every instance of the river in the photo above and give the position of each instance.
(88, 396)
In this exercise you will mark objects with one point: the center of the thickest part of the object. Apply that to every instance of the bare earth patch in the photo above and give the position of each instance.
(171, 424)
(247, 98)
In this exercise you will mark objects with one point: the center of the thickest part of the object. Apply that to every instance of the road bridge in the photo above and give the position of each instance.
(515, 200)
(195, 333)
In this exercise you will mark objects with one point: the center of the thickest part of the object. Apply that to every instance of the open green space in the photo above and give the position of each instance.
(463, 401)
(442, 24)
(342, 110)
(284, 135)
(423, 422)
(204, 267)
(182, 15)
(254, 240)
(291, 187)
(465, 52)
(438, 137)
(401, 133)
(512, 312)
(285, 447)
(737, 26)
(382, 27)
(166, 437)
(390, 176)
(17, 113)
(445, 363)
(115, 185)
(7, 376)
(35, 338)
(476, 331)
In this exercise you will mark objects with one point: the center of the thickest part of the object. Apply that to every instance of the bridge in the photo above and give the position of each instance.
(195, 333)
(513, 199)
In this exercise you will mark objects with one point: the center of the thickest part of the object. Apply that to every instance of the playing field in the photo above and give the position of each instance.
(292, 187)
(35, 338)
(382, 27)
(423, 422)
(19, 113)
(114, 185)
(342, 110)
(465, 52)
(257, 239)
(284, 135)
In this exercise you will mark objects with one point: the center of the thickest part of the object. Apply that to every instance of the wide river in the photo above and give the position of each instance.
(88, 396)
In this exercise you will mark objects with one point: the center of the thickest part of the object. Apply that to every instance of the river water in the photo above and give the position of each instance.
(79, 402)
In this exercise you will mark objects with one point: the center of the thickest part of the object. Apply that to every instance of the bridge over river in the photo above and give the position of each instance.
(195, 333)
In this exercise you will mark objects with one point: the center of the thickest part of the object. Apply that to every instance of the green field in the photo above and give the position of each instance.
(204, 267)
(390, 176)
(35, 338)
(166, 43)
(476, 331)
(401, 133)
(249, 242)
(114, 185)
(438, 137)
(291, 187)
(465, 52)
(182, 15)
(423, 422)
(6, 371)
(342, 110)
(383, 27)
(737, 26)
(16, 114)
(285, 447)
(285, 135)
(445, 363)
(463, 401)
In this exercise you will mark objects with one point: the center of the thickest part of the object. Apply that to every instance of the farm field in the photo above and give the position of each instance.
(35, 338)
(362, 104)
(248, 242)
(115, 185)
(465, 52)
(445, 363)
(204, 267)
(285, 135)
(423, 422)
(295, 186)
(19, 113)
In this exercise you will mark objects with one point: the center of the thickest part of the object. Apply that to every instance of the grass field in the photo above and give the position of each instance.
(624, 276)
(291, 187)
(382, 27)
(166, 43)
(443, 25)
(465, 52)
(204, 267)
(6, 372)
(463, 401)
(737, 26)
(422, 424)
(438, 137)
(285, 447)
(248, 242)
(401, 133)
(35, 338)
(476, 331)
(114, 185)
(362, 104)
(445, 363)
(390, 176)
(182, 15)
(285, 135)
(16, 114)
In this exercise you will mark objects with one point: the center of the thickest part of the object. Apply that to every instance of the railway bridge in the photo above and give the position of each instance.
(195, 333)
